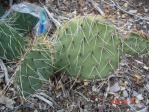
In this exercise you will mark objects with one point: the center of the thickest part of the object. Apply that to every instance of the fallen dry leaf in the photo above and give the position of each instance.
(85, 82)
(59, 86)
(137, 78)
(123, 16)
(122, 83)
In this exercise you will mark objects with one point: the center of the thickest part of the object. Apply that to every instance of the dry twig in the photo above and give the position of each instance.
(44, 99)
(5, 72)
(76, 92)
(46, 96)
(51, 17)
(96, 7)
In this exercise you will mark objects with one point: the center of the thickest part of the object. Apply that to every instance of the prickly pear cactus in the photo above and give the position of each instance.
(35, 68)
(22, 22)
(135, 44)
(87, 48)
(12, 45)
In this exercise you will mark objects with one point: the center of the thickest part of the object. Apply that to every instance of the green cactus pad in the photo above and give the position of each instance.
(35, 68)
(135, 44)
(22, 22)
(87, 48)
(12, 45)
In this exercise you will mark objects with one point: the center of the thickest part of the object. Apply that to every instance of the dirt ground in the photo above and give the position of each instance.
(125, 90)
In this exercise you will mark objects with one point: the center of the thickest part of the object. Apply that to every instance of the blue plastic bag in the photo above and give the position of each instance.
(43, 19)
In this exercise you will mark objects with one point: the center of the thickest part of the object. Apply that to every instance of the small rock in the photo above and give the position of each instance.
(139, 105)
(35, 110)
(146, 68)
(125, 94)
(135, 93)
(62, 110)
(3, 108)
(146, 10)
(122, 88)
(96, 99)
(140, 97)
(133, 11)
(6, 101)
(144, 26)
(85, 110)
(141, 23)
(147, 86)
(94, 88)
(74, 12)
(115, 87)
(117, 96)
(143, 110)
(129, 26)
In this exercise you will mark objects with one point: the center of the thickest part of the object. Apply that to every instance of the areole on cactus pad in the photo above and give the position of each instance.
(87, 47)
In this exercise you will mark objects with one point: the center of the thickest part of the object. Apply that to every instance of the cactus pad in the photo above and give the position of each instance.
(87, 48)
(35, 67)
(22, 22)
(135, 44)
(12, 45)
